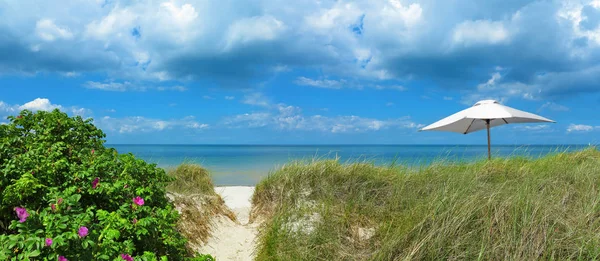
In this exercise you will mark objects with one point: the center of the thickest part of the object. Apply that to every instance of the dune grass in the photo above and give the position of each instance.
(191, 179)
(504, 209)
(193, 193)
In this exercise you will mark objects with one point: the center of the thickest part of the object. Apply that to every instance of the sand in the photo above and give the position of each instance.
(233, 240)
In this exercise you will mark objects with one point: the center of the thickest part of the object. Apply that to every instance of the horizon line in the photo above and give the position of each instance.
(339, 144)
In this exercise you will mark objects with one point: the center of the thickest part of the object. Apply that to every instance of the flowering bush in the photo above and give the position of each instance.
(64, 196)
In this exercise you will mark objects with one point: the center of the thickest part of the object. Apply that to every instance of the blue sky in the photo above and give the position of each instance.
(318, 72)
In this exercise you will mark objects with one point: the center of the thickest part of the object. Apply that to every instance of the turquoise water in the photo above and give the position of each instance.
(247, 164)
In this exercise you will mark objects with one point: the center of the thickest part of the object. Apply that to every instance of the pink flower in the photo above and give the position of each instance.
(48, 242)
(138, 201)
(19, 117)
(53, 207)
(60, 200)
(22, 214)
(125, 186)
(95, 183)
(134, 221)
(93, 151)
(126, 257)
(62, 258)
(83, 231)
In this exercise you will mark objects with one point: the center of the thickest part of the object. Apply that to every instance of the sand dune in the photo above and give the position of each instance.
(233, 240)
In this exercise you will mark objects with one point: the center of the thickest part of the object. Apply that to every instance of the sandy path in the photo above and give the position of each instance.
(231, 240)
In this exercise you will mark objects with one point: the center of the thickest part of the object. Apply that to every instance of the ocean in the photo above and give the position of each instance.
(247, 164)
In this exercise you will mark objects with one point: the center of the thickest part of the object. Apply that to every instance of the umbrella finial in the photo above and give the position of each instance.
(486, 102)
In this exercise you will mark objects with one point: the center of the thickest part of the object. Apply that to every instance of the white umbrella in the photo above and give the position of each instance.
(483, 115)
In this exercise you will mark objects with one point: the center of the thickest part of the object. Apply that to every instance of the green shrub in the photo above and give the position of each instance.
(64, 194)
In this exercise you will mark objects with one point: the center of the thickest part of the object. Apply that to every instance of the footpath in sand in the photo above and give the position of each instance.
(233, 240)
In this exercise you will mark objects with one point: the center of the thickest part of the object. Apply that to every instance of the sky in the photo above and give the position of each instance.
(303, 72)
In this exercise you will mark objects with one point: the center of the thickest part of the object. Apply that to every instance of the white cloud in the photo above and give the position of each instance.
(229, 97)
(247, 30)
(327, 84)
(353, 40)
(581, 128)
(553, 107)
(71, 74)
(183, 15)
(106, 26)
(48, 31)
(143, 124)
(107, 123)
(340, 84)
(41, 104)
(480, 32)
(251, 120)
(128, 86)
(172, 88)
(389, 87)
(287, 117)
(534, 128)
(408, 15)
(495, 89)
(256, 99)
(206, 97)
(112, 86)
(390, 104)
(448, 98)
(6, 109)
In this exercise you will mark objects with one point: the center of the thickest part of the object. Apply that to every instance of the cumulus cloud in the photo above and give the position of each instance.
(48, 31)
(41, 104)
(229, 98)
(543, 45)
(107, 123)
(479, 32)
(495, 89)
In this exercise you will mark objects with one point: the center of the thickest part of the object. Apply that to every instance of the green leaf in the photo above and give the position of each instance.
(34, 253)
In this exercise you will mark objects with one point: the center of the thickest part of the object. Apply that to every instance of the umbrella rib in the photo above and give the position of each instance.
(469, 127)
(505, 120)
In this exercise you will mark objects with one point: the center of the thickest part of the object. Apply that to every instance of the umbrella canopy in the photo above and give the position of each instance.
(483, 115)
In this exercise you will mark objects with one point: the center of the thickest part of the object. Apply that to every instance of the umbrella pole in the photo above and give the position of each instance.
(487, 124)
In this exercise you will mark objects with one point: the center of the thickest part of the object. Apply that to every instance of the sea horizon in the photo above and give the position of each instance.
(246, 164)
(336, 144)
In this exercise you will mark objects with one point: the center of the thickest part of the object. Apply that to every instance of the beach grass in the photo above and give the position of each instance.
(513, 208)
(193, 193)
(190, 179)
